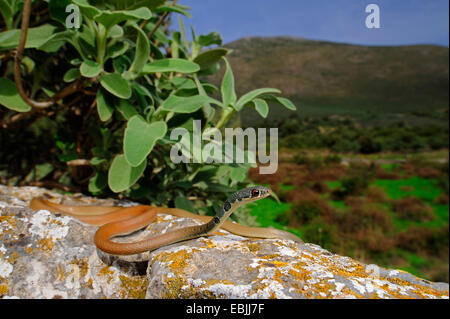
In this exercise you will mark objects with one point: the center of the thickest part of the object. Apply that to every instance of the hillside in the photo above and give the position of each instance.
(375, 85)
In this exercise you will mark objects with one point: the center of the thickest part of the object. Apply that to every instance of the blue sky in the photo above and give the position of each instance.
(402, 21)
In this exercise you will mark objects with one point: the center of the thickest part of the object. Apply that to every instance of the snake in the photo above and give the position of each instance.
(116, 221)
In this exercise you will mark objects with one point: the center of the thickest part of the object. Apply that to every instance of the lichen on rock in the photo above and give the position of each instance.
(47, 256)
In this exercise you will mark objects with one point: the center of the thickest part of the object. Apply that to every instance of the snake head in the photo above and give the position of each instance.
(255, 193)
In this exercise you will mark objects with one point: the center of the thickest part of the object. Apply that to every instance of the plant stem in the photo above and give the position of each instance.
(160, 21)
(225, 117)
(101, 44)
(18, 63)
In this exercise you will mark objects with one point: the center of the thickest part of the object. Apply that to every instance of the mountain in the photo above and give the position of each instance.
(373, 84)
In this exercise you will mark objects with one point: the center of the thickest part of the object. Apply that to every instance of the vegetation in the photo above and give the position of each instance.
(378, 86)
(345, 136)
(92, 109)
(396, 216)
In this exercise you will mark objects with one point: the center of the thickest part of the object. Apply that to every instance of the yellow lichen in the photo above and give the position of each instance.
(60, 273)
(83, 266)
(3, 290)
(106, 271)
(174, 286)
(133, 287)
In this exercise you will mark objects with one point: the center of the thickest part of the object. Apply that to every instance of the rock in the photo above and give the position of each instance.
(47, 256)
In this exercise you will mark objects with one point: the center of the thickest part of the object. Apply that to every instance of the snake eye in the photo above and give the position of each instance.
(255, 192)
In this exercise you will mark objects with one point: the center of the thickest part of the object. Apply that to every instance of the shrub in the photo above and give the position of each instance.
(423, 239)
(304, 211)
(332, 159)
(321, 233)
(362, 216)
(367, 145)
(120, 85)
(381, 173)
(374, 241)
(345, 146)
(413, 209)
(377, 194)
(442, 199)
(301, 158)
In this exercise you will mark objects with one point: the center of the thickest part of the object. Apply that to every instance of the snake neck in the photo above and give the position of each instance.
(228, 207)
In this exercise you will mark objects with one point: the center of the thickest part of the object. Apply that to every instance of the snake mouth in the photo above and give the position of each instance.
(267, 194)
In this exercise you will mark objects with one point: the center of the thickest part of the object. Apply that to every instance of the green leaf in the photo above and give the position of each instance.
(142, 51)
(57, 10)
(134, 4)
(183, 32)
(190, 104)
(10, 98)
(98, 182)
(126, 109)
(86, 9)
(36, 37)
(253, 94)
(183, 83)
(140, 138)
(105, 110)
(216, 187)
(227, 89)
(42, 170)
(210, 39)
(286, 103)
(208, 58)
(116, 85)
(71, 75)
(176, 9)
(116, 50)
(116, 31)
(239, 174)
(110, 18)
(90, 69)
(7, 12)
(122, 176)
(182, 202)
(261, 107)
(171, 65)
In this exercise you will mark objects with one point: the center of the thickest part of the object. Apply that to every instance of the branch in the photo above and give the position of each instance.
(18, 62)
(83, 126)
(52, 184)
(160, 21)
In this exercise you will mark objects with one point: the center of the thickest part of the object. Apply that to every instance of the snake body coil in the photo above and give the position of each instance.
(114, 221)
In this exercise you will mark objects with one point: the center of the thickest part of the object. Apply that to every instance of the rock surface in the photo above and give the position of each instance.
(47, 256)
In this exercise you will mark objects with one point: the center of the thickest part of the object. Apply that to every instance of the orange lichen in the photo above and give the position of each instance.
(45, 244)
(29, 250)
(90, 283)
(13, 257)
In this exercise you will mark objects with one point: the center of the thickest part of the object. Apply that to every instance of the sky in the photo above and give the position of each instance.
(402, 22)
